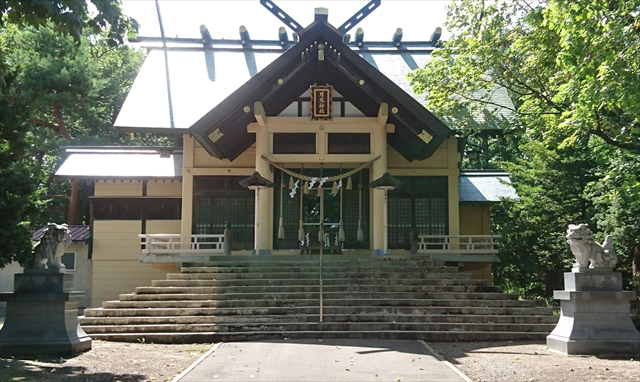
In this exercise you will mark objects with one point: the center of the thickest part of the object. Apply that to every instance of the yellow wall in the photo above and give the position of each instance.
(439, 159)
(163, 226)
(164, 188)
(203, 159)
(474, 219)
(117, 188)
(479, 271)
(116, 252)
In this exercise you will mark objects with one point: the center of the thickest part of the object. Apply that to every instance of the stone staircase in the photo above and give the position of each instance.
(250, 298)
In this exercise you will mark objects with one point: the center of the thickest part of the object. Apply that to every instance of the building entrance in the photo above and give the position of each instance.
(353, 204)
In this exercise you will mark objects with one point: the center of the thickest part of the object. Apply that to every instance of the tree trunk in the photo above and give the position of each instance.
(73, 203)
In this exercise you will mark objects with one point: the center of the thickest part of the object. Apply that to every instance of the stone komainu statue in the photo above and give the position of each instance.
(51, 247)
(585, 248)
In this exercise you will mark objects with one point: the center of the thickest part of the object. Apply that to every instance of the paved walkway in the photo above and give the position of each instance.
(322, 360)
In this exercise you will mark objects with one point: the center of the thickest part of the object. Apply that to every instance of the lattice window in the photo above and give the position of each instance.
(349, 143)
(225, 202)
(420, 206)
(350, 212)
(294, 143)
(400, 221)
(291, 213)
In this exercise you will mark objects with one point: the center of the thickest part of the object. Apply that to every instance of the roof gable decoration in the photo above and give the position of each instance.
(320, 57)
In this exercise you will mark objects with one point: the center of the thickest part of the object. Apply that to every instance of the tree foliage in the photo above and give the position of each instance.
(72, 17)
(62, 79)
(571, 67)
(72, 95)
(18, 199)
(572, 70)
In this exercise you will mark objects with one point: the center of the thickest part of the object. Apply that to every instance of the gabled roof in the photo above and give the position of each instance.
(281, 82)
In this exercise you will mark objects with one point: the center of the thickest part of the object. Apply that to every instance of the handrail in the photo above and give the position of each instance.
(458, 244)
(154, 244)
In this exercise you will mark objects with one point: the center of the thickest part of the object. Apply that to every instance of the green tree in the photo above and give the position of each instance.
(26, 156)
(616, 197)
(71, 95)
(551, 187)
(572, 72)
(567, 66)
(72, 17)
(18, 191)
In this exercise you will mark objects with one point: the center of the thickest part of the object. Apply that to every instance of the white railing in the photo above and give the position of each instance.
(170, 244)
(458, 244)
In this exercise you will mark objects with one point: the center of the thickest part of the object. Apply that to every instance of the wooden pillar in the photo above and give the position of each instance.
(453, 178)
(379, 147)
(187, 186)
(263, 201)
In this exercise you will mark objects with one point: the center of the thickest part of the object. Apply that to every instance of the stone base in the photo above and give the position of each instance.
(595, 317)
(594, 347)
(40, 322)
(63, 349)
(261, 252)
(380, 252)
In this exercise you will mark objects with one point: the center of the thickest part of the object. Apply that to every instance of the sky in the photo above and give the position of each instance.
(182, 18)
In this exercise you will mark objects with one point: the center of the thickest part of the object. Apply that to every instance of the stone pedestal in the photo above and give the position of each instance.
(595, 317)
(42, 316)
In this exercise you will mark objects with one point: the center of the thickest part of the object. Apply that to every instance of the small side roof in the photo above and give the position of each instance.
(485, 187)
(134, 163)
(78, 233)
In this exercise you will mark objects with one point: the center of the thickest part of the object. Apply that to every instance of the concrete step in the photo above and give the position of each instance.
(285, 275)
(140, 291)
(302, 261)
(315, 326)
(315, 268)
(313, 293)
(452, 318)
(241, 298)
(328, 310)
(314, 281)
(345, 301)
(209, 337)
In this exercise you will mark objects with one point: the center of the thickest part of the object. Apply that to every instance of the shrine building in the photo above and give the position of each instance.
(291, 147)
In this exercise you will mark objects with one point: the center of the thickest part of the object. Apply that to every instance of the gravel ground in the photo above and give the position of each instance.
(107, 361)
(532, 361)
(480, 361)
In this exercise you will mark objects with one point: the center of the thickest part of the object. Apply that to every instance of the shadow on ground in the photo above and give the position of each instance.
(12, 369)
(455, 351)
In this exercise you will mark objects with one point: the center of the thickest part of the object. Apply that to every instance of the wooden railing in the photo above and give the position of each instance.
(170, 244)
(458, 244)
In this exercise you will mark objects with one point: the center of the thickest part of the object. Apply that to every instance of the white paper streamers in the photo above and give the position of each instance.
(292, 194)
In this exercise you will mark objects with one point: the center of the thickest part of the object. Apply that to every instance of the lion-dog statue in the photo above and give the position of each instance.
(49, 250)
(585, 248)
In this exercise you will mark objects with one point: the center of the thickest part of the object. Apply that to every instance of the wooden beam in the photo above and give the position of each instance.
(261, 116)
(305, 126)
(383, 114)
(320, 158)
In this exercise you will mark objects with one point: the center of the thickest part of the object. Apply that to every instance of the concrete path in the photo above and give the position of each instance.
(322, 360)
